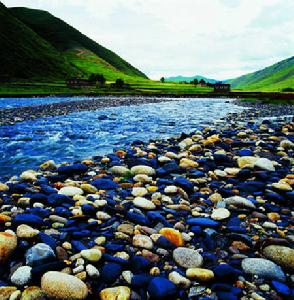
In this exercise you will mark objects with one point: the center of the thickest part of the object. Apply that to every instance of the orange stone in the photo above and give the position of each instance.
(273, 216)
(120, 153)
(173, 235)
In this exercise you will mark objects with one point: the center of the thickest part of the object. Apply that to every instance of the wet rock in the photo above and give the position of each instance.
(6, 292)
(70, 191)
(179, 280)
(26, 232)
(116, 293)
(263, 268)
(161, 288)
(139, 191)
(8, 244)
(144, 203)
(92, 255)
(200, 274)
(105, 184)
(63, 286)
(39, 254)
(142, 241)
(264, 164)
(21, 276)
(281, 255)
(173, 235)
(239, 202)
(219, 214)
(136, 170)
(120, 170)
(187, 258)
(33, 293)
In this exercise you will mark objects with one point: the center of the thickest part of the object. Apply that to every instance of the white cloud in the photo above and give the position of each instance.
(216, 38)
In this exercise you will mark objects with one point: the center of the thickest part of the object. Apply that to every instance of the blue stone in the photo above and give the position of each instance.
(225, 272)
(140, 264)
(28, 219)
(111, 272)
(118, 260)
(79, 246)
(141, 280)
(245, 152)
(105, 184)
(137, 218)
(205, 222)
(47, 189)
(281, 288)
(252, 186)
(161, 288)
(196, 229)
(39, 254)
(60, 200)
(39, 197)
(226, 296)
(184, 183)
(164, 243)
(47, 239)
(73, 169)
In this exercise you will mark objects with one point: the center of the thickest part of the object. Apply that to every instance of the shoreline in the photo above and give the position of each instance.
(146, 218)
(10, 116)
(233, 94)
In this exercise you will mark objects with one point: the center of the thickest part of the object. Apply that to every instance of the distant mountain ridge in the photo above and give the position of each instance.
(188, 79)
(276, 77)
(36, 45)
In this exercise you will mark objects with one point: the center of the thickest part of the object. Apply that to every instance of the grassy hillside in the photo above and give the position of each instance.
(80, 50)
(274, 78)
(24, 54)
(189, 79)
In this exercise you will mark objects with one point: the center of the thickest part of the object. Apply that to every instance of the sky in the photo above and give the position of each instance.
(219, 39)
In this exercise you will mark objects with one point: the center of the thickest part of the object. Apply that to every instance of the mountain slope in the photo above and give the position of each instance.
(72, 43)
(188, 79)
(24, 54)
(273, 78)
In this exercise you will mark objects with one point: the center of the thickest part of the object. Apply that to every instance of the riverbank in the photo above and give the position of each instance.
(10, 116)
(201, 215)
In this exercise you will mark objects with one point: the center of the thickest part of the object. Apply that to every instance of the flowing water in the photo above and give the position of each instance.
(80, 135)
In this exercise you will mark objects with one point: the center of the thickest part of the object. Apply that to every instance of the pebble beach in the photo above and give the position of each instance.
(206, 215)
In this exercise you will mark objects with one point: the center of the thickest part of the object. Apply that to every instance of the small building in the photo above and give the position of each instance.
(78, 82)
(222, 88)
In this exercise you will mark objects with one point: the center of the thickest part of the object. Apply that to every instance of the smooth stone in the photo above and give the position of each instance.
(6, 291)
(116, 293)
(161, 288)
(142, 241)
(29, 175)
(105, 184)
(281, 288)
(179, 280)
(92, 271)
(39, 254)
(120, 170)
(63, 286)
(225, 272)
(186, 163)
(263, 268)
(144, 203)
(173, 235)
(200, 274)
(141, 169)
(282, 186)
(70, 191)
(246, 161)
(187, 258)
(281, 255)
(171, 189)
(21, 276)
(3, 187)
(219, 214)
(111, 272)
(33, 293)
(92, 255)
(139, 191)
(25, 231)
(8, 244)
(205, 222)
(239, 202)
(88, 188)
(264, 164)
